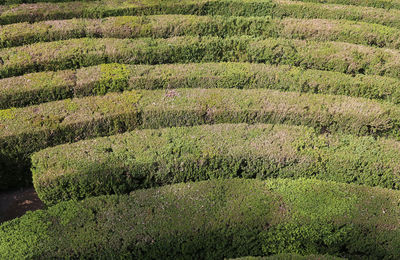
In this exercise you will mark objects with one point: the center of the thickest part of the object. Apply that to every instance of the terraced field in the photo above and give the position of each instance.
(209, 129)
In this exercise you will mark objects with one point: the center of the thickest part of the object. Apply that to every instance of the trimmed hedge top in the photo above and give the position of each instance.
(147, 158)
(214, 220)
(163, 26)
(330, 113)
(76, 53)
(36, 88)
(27, 130)
(13, 2)
(98, 9)
(388, 4)
(42, 87)
(284, 256)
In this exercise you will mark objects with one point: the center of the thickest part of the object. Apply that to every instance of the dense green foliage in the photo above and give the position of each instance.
(37, 88)
(240, 128)
(214, 220)
(36, 127)
(275, 8)
(42, 87)
(13, 2)
(147, 158)
(163, 26)
(389, 4)
(284, 256)
(75, 53)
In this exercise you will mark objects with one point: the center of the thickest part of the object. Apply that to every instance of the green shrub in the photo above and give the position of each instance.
(284, 256)
(36, 88)
(76, 53)
(388, 4)
(147, 158)
(112, 78)
(11, 2)
(42, 87)
(117, 77)
(370, 3)
(278, 9)
(29, 129)
(214, 220)
(163, 26)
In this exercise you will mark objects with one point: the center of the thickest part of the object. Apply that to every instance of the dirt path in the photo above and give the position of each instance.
(15, 203)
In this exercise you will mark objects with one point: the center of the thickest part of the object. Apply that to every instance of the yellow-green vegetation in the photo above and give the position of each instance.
(214, 220)
(148, 158)
(7, 114)
(40, 126)
(112, 78)
(163, 26)
(76, 53)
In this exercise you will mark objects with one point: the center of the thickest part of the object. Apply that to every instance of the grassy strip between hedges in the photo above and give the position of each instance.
(276, 8)
(214, 220)
(147, 158)
(26, 130)
(163, 26)
(41, 87)
(75, 53)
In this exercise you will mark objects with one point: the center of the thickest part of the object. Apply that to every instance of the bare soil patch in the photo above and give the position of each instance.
(16, 203)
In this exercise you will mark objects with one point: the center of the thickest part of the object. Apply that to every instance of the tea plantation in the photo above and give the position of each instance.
(207, 129)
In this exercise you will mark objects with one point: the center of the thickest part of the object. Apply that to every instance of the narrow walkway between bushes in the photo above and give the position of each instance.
(16, 203)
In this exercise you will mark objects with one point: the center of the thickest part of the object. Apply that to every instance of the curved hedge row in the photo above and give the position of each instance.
(37, 88)
(285, 256)
(148, 158)
(163, 26)
(214, 220)
(42, 87)
(387, 4)
(391, 4)
(13, 2)
(29, 129)
(276, 8)
(75, 53)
